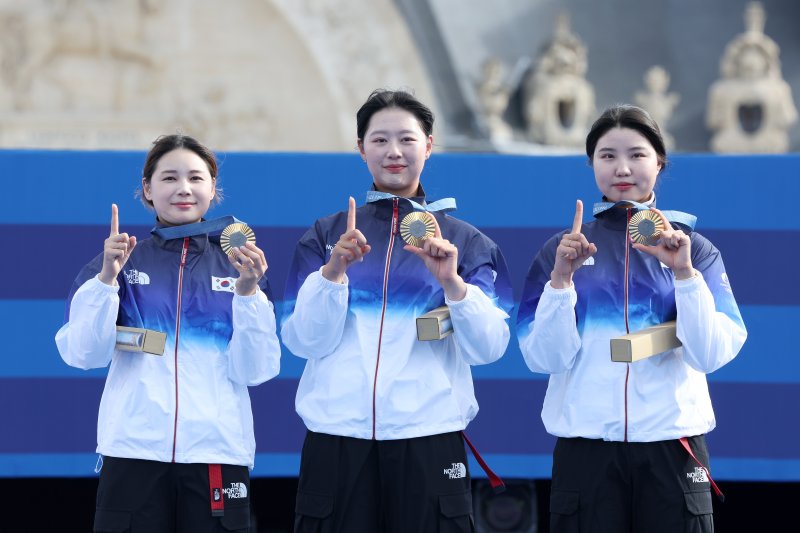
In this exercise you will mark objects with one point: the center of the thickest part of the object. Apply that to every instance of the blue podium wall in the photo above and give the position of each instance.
(56, 215)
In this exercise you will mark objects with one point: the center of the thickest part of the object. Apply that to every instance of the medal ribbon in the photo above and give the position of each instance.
(674, 217)
(197, 228)
(443, 206)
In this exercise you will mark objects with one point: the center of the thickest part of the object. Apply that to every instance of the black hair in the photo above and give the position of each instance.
(384, 98)
(167, 143)
(632, 117)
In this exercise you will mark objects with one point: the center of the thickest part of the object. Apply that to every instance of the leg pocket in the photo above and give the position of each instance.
(456, 513)
(311, 512)
(236, 519)
(564, 505)
(111, 521)
(699, 507)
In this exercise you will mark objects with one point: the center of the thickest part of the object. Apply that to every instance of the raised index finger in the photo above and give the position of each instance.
(114, 220)
(578, 220)
(351, 215)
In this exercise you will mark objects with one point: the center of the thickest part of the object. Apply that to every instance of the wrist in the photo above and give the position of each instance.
(685, 273)
(558, 281)
(455, 289)
(330, 274)
(107, 278)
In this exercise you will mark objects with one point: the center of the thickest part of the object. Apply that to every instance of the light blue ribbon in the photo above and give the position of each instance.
(674, 217)
(197, 228)
(443, 206)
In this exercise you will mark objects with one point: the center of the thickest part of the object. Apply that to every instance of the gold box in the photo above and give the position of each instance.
(434, 325)
(140, 340)
(645, 343)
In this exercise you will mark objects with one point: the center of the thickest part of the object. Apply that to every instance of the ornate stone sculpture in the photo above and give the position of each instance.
(493, 94)
(750, 108)
(657, 101)
(559, 102)
(251, 75)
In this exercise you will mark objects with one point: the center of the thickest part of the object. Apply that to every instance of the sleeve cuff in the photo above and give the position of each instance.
(689, 284)
(95, 283)
(450, 303)
(325, 283)
(564, 293)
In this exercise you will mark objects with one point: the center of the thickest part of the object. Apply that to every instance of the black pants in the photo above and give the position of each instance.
(399, 486)
(620, 487)
(140, 496)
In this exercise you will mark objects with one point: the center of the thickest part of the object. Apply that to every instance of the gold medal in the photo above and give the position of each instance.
(645, 227)
(234, 236)
(416, 227)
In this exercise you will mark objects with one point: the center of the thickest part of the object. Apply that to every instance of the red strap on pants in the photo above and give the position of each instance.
(215, 487)
(497, 484)
(685, 443)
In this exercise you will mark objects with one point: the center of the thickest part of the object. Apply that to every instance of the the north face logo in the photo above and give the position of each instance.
(136, 277)
(457, 471)
(235, 491)
(698, 476)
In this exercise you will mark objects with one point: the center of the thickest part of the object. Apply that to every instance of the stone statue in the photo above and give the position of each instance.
(657, 101)
(493, 95)
(751, 108)
(558, 101)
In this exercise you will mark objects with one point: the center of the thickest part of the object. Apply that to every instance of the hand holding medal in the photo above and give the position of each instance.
(652, 233)
(239, 242)
(421, 231)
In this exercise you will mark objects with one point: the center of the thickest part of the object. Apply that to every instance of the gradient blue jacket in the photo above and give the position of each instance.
(566, 333)
(190, 405)
(367, 375)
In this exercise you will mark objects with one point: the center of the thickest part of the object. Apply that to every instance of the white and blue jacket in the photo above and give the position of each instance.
(566, 333)
(190, 405)
(367, 376)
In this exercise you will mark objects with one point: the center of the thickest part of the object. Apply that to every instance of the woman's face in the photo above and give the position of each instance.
(181, 188)
(625, 165)
(395, 149)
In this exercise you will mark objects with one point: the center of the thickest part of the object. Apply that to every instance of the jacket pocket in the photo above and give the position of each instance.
(456, 513)
(111, 521)
(564, 506)
(236, 519)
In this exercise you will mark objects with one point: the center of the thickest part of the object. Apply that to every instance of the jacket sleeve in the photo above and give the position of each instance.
(254, 352)
(708, 320)
(546, 324)
(480, 319)
(88, 337)
(316, 307)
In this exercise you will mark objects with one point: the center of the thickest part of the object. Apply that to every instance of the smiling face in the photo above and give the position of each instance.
(395, 149)
(181, 188)
(625, 165)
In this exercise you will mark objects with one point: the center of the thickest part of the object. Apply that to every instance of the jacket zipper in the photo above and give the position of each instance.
(184, 252)
(392, 235)
(627, 326)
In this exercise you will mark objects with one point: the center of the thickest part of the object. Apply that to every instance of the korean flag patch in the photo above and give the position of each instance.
(223, 284)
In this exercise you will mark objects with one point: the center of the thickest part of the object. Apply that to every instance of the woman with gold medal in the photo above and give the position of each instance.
(385, 411)
(175, 428)
(631, 452)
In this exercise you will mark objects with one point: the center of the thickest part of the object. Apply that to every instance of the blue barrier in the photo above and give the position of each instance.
(744, 205)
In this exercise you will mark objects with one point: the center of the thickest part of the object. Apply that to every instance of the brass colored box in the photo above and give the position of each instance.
(141, 340)
(645, 343)
(434, 325)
